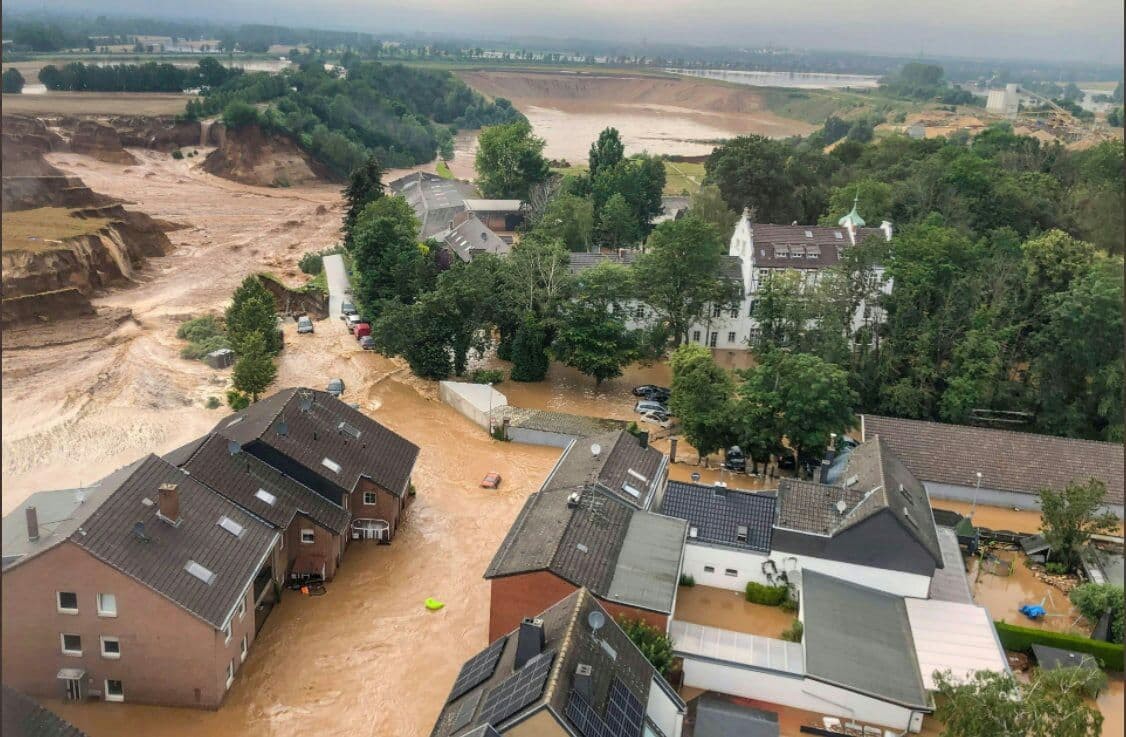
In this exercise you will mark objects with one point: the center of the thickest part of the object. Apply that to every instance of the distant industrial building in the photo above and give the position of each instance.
(1004, 102)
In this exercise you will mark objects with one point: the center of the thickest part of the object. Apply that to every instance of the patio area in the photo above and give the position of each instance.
(1003, 595)
(730, 610)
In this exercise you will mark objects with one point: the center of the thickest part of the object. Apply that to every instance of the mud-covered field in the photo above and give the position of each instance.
(97, 103)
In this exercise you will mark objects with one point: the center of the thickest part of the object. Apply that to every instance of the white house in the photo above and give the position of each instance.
(875, 528)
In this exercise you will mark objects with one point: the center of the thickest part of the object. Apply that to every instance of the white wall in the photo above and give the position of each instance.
(663, 711)
(749, 566)
(793, 691)
(539, 437)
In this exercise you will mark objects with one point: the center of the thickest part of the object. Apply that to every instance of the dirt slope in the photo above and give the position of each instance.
(249, 156)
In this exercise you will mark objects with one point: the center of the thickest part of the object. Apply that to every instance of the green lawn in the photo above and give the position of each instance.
(814, 106)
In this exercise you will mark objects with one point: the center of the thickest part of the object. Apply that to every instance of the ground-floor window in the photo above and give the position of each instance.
(713, 340)
(695, 336)
(731, 572)
(709, 569)
(731, 337)
(114, 690)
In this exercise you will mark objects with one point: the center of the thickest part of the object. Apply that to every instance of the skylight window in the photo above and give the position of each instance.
(231, 526)
(201, 572)
(838, 235)
(331, 465)
(266, 497)
(693, 532)
(638, 476)
(348, 430)
(631, 491)
(809, 234)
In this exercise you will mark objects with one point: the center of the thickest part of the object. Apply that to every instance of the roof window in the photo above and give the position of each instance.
(266, 497)
(631, 491)
(638, 476)
(231, 526)
(838, 235)
(201, 572)
(331, 465)
(809, 234)
(348, 430)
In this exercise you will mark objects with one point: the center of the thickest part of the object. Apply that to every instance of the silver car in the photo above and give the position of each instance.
(304, 324)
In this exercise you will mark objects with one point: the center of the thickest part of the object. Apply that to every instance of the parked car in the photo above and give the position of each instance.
(645, 389)
(352, 320)
(335, 387)
(647, 405)
(367, 343)
(786, 462)
(661, 419)
(304, 324)
(347, 308)
(734, 460)
(361, 329)
(658, 395)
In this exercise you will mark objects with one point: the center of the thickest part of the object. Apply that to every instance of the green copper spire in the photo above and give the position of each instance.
(853, 217)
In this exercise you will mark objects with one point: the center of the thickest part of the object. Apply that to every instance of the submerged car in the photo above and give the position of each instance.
(648, 405)
(352, 320)
(367, 343)
(335, 387)
(734, 460)
(346, 309)
(304, 325)
(661, 419)
(646, 389)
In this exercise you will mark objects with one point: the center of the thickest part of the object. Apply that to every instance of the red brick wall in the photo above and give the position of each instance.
(387, 507)
(166, 653)
(324, 543)
(514, 597)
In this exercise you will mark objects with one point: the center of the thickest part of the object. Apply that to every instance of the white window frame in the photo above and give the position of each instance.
(730, 336)
(59, 603)
(103, 640)
(107, 696)
(731, 572)
(105, 612)
(242, 608)
(244, 648)
(374, 498)
(230, 674)
(695, 336)
(709, 569)
(227, 633)
(312, 536)
(62, 644)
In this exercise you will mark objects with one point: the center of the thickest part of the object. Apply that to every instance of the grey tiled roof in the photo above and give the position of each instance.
(717, 514)
(619, 453)
(20, 716)
(158, 562)
(860, 639)
(311, 436)
(556, 422)
(1008, 461)
(567, 634)
(435, 201)
(874, 480)
(721, 716)
(239, 477)
(949, 582)
(770, 240)
(472, 237)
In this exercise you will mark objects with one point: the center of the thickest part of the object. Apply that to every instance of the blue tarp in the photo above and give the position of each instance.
(1032, 611)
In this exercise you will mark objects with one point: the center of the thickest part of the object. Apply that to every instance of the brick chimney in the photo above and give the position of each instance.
(168, 505)
(32, 524)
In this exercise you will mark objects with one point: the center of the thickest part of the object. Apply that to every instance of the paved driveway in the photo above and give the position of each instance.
(337, 282)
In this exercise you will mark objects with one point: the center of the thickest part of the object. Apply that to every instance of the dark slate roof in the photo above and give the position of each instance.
(239, 477)
(1008, 461)
(720, 716)
(568, 636)
(597, 543)
(716, 514)
(1050, 658)
(730, 267)
(874, 481)
(860, 639)
(23, 717)
(159, 561)
(378, 454)
(435, 201)
(472, 237)
(619, 453)
(775, 245)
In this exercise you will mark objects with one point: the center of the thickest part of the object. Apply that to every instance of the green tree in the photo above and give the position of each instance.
(12, 81)
(606, 152)
(991, 704)
(1094, 599)
(1070, 517)
(708, 205)
(568, 218)
(701, 398)
(750, 171)
(252, 312)
(238, 114)
(654, 644)
(365, 185)
(529, 351)
(388, 261)
(510, 160)
(873, 200)
(254, 370)
(680, 273)
(808, 399)
(593, 336)
(617, 224)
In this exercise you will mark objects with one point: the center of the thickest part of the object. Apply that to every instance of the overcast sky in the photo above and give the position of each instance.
(1080, 30)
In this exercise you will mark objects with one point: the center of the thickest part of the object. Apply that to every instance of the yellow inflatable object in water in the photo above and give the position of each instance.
(433, 604)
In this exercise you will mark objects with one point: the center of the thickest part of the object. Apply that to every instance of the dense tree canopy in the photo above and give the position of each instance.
(252, 312)
(510, 161)
(13, 81)
(701, 399)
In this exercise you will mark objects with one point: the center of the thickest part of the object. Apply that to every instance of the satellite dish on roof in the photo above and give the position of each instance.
(595, 619)
(595, 449)
(233, 447)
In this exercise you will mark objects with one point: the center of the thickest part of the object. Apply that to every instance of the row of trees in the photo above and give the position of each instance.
(252, 331)
(148, 77)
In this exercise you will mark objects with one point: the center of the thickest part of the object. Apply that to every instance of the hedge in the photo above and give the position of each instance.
(1022, 639)
(768, 595)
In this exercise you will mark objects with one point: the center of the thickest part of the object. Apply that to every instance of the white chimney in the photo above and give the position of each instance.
(886, 227)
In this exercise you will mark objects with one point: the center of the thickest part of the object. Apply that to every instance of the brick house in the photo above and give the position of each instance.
(568, 671)
(588, 526)
(314, 531)
(147, 587)
(335, 450)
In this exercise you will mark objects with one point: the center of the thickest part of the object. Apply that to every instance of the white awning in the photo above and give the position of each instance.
(71, 674)
(952, 636)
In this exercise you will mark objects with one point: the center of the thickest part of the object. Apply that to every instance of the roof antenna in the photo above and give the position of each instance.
(305, 401)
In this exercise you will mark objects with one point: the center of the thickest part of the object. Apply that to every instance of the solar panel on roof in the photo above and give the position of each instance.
(477, 669)
(624, 714)
(465, 711)
(518, 690)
